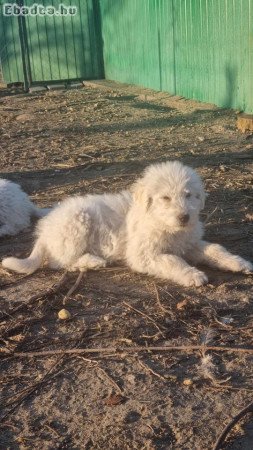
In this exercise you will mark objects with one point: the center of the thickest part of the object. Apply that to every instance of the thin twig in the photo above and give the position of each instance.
(147, 368)
(231, 424)
(113, 269)
(228, 387)
(33, 388)
(95, 364)
(30, 389)
(73, 288)
(167, 311)
(210, 215)
(117, 387)
(172, 296)
(40, 295)
(145, 315)
(47, 292)
(126, 350)
(15, 283)
(52, 429)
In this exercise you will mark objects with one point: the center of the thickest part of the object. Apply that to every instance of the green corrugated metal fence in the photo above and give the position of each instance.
(58, 47)
(10, 50)
(200, 49)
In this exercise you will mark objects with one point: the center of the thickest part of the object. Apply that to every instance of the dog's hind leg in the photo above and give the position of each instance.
(27, 265)
(88, 261)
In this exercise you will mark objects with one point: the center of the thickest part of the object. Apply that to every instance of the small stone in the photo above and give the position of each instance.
(37, 89)
(64, 314)
(187, 382)
(227, 320)
(24, 118)
(75, 85)
(56, 86)
(130, 378)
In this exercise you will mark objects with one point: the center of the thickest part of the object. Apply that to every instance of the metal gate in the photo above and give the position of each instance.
(40, 48)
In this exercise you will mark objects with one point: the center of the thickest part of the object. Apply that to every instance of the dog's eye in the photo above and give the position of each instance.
(188, 195)
(167, 198)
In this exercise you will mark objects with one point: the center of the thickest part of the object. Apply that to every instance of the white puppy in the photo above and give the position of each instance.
(154, 228)
(16, 208)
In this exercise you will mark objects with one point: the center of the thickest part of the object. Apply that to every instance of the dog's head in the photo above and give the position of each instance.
(171, 193)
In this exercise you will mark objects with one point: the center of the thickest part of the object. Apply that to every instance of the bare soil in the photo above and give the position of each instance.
(95, 139)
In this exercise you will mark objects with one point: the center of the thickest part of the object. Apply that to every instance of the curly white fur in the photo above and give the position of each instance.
(16, 208)
(154, 227)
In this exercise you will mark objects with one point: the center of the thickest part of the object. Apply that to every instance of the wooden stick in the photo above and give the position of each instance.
(210, 215)
(40, 295)
(73, 288)
(165, 310)
(148, 369)
(19, 398)
(145, 315)
(219, 443)
(126, 350)
(96, 365)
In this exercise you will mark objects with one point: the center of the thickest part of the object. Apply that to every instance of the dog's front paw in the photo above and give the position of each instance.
(244, 265)
(194, 277)
(241, 265)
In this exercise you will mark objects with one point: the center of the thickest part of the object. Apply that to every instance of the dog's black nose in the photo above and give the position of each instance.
(183, 219)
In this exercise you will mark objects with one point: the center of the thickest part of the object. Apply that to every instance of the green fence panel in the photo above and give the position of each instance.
(130, 40)
(214, 51)
(200, 49)
(166, 31)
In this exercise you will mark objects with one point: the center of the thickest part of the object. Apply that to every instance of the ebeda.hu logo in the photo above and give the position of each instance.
(12, 9)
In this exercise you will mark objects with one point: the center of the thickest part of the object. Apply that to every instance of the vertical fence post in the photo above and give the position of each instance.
(24, 49)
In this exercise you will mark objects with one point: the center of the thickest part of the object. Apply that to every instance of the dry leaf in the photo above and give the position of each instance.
(114, 400)
(16, 338)
(4, 350)
(182, 304)
(249, 217)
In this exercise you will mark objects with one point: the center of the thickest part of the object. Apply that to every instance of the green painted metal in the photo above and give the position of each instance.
(201, 49)
(10, 49)
(130, 32)
(58, 47)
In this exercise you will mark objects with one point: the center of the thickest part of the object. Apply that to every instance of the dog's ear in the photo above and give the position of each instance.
(140, 194)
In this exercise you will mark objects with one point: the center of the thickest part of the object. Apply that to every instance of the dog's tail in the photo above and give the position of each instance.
(27, 265)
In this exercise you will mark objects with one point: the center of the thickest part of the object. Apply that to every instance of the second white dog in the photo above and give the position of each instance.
(154, 227)
(16, 209)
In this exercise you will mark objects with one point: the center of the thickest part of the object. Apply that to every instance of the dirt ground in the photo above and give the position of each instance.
(96, 139)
